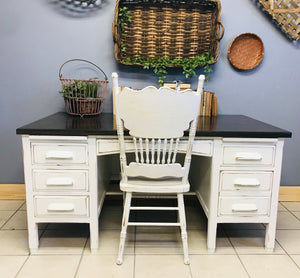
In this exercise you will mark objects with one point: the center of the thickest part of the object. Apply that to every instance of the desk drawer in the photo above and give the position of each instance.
(59, 154)
(200, 147)
(246, 181)
(250, 206)
(54, 206)
(248, 155)
(60, 180)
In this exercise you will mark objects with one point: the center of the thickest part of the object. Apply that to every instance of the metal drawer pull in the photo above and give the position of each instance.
(246, 182)
(248, 156)
(63, 207)
(59, 155)
(244, 207)
(60, 181)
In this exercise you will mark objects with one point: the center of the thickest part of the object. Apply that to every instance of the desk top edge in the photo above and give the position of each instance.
(221, 126)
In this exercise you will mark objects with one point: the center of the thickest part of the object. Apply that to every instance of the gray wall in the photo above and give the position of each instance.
(37, 36)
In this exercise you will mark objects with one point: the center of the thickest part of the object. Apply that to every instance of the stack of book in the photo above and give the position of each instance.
(209, 104)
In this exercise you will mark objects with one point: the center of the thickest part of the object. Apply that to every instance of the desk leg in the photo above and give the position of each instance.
(94, 201)
(271, 226)
(33, 237)
(211, 235)
(270, 237)
(94, 234)
(214, 196)
(33, 233)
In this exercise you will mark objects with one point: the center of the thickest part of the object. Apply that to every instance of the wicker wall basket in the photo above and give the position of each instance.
(246, 51)
(167, 28)
(83, 96)
(286, 14)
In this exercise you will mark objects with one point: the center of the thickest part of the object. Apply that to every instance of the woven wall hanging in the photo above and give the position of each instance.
(246, 51)
(167, 28)
(286, 14)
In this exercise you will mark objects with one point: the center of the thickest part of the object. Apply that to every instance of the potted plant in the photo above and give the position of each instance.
(81, 89)
(83, 96)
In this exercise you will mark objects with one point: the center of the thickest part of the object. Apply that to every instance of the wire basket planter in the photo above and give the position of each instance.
(83, 96)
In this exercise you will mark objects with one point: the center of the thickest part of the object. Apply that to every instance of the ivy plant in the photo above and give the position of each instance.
(159, 65)
(124, 17)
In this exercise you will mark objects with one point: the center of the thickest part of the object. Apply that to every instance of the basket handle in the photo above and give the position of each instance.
(114, 31)
(81, 60)
(115, 22)
(223, 30)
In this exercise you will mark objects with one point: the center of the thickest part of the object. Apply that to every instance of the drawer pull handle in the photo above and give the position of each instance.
(248, 156)
(246, 182)
(59, 155)
(244, 208)
(60, 181)
(60, 207)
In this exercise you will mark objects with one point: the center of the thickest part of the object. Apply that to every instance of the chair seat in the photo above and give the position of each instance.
(154, 186)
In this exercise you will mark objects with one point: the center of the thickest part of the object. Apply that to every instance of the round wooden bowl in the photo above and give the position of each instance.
(246, 51)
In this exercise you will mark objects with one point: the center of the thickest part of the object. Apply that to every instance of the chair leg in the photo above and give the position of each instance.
(124, 195)
(125, 218)
(183, 228)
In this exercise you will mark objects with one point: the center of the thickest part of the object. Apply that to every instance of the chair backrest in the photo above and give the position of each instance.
(156, 120)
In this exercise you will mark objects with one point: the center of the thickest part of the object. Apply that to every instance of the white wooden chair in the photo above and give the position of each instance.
(156, 120)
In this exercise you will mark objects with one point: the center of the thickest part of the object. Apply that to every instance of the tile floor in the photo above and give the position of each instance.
(149, 252)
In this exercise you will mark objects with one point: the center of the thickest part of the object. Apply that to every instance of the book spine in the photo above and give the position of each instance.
(214, 109)
(204, 103)
(209, 103)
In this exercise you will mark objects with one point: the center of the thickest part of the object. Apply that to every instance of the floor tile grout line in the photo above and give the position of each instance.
(257, 254)
(28, 256)
(294, 261)
(9, 220)
(18, 209)
(289, 255)
(81, 257)
(236, 253)
(293, 212)
(281, 203)
(240, 259)
(228, 237)
(190, 269)
(289, 209)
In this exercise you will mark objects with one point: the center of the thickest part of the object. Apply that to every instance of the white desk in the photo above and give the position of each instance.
(235, 171)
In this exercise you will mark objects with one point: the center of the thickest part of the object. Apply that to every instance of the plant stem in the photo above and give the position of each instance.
(159, 65)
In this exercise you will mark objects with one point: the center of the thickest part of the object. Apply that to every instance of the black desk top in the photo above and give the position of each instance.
(221, 126)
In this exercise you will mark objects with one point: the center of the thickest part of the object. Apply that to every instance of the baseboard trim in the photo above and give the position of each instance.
(17, 192)
(12, 192)
(289, 193)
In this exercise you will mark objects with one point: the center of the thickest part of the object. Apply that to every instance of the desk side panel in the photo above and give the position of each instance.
(200, 180)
